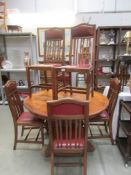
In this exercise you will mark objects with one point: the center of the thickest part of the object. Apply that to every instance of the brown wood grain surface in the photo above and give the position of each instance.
(37, 103)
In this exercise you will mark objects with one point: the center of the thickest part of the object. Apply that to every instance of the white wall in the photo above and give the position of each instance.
(105, 19)
(103, 5)
(31, 14)
(104, 12)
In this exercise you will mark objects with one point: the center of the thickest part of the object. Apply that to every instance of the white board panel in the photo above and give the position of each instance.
(55, 5)
(89, 6)
(23, 6)
(123, 5)
(109, 5)
(95, 5)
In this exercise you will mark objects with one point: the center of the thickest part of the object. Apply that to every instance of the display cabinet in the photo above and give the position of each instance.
(109, 45)
(106, 51)
(123, 40)
(13, 48)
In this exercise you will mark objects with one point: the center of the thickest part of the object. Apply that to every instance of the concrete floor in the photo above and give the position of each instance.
(30, 159)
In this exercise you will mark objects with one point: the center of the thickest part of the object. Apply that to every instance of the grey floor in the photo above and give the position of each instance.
(30, 159)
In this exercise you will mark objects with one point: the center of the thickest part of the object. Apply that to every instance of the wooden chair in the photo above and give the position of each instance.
(68, 86)
(38, 84)
(82, 47)
(54, 46)
(105, 118)
(22, 118)
(54, 50)
(68, 131)
(3, 16)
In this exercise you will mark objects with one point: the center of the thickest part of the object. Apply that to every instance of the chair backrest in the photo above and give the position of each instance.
(54, 45)
(15, 104)
(112, 95)
(82, 46)
(68, 123)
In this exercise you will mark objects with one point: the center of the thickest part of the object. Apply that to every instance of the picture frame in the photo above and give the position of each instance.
(40, 34)
(41, 39)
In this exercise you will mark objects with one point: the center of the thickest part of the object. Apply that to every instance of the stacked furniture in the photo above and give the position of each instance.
(40, 85)
(54, 53)
(82, 48)
(68, 87)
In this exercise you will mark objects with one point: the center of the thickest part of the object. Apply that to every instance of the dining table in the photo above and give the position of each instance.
(37, 103)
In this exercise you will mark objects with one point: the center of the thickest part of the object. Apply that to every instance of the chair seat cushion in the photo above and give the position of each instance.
(102, 116)
(29, 119)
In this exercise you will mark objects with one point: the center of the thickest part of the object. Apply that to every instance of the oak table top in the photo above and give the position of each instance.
(37, 103)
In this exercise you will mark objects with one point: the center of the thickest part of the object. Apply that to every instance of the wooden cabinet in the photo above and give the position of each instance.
(109, 45)
(106, 51)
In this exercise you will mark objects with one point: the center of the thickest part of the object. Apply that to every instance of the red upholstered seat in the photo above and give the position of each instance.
(27, 117)
(102, 116)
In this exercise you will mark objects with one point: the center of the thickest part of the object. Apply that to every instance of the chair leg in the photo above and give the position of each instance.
(110, 133)
(22, 131)
(52, 163)
(42, 135)
(77, 80)
(106, 127)
(15, 136)
(46, 126)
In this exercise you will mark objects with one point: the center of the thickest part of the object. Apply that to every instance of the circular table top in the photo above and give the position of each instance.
(37, 103)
